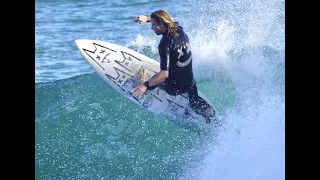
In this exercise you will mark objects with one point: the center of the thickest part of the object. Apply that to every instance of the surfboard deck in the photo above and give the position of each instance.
(118, 66)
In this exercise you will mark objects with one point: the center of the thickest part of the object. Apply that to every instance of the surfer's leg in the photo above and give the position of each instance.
(207, 110)
(193, 97)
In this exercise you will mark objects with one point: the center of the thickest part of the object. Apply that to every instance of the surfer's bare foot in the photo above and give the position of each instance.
(209, 112)
(142, 75)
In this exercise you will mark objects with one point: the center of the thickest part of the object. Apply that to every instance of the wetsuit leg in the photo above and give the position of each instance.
(193, 97)
(198, 104)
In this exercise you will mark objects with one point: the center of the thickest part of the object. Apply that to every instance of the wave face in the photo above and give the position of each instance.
(86, 130)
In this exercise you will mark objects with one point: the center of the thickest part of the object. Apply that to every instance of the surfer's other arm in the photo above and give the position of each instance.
(156, 79)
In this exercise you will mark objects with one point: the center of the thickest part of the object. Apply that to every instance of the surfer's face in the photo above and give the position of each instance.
(157, 28)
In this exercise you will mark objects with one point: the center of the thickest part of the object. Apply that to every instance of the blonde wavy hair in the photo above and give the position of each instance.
(162, 16)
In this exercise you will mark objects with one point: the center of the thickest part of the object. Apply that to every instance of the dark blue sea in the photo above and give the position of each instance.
(86, 130)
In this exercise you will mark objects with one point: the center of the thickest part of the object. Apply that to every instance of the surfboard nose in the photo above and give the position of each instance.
(80, 42)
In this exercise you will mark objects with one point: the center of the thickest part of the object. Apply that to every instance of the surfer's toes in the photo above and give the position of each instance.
(208, 112)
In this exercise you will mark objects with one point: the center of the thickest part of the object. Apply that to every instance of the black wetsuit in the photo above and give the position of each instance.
(176, 57)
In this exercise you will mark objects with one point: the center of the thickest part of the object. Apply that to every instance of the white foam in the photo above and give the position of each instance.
(251, 143)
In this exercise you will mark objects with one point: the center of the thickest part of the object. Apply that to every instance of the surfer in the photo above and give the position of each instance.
(176, 74)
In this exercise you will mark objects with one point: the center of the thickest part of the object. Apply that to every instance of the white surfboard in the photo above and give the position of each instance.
(118, 65)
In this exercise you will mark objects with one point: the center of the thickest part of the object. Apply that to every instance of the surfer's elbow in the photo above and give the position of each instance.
(165, 74)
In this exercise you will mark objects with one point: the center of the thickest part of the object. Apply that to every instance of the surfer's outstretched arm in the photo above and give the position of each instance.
(142, 19)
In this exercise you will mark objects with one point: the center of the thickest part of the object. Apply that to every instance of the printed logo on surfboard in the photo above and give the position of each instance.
(123, 63)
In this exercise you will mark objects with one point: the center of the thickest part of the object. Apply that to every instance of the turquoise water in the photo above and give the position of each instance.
(85, 130)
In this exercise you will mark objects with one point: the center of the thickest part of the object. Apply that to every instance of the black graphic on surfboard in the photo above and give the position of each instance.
(99, 54)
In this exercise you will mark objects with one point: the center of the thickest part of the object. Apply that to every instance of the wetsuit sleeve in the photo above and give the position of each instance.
(164, 53)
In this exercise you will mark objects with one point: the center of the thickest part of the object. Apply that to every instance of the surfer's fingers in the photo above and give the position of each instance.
(133, 92)
(136, 92)
(137, 19)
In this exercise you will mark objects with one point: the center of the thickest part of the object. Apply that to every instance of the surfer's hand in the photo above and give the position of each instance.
(138, 90)
(141, 19)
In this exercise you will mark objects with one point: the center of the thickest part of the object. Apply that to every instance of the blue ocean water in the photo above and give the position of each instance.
(85, 130)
